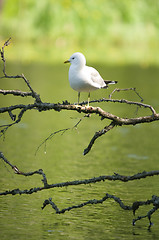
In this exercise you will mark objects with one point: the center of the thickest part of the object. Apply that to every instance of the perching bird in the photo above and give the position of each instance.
(83, 78)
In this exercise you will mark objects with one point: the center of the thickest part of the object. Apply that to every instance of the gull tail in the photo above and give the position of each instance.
(108, 82)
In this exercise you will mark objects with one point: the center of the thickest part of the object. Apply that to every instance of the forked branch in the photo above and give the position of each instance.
(115, 120)
(32, 93)
(65, 105)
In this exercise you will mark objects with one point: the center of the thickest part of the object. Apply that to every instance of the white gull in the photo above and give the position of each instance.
(83, 78)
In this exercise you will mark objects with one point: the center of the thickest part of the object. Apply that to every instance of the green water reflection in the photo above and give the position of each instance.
(125, 150)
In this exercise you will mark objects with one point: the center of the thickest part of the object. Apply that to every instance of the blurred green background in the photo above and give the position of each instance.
(106, 31)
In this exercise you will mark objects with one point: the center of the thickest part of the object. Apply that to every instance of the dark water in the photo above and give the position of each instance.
(124, 150)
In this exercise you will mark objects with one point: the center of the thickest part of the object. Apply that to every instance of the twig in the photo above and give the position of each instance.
(33, 93)
(6, 161)
(13, 117)
(15, 93)
(2, 55)
(17, 171)
(139, 104)
(97, 135)
(62, 131)
(155, 202)
(125, 89)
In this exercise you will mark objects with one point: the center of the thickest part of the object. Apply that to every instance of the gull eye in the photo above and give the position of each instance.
(73, 58)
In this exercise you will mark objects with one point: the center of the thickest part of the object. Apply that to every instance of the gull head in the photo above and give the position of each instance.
(77, 59)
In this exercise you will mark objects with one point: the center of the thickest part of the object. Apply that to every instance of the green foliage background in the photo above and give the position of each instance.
(112, 31)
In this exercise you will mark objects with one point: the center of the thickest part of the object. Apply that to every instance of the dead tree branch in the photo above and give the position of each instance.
(81, 108)
(154, 201)
(19, 93)
(93, 201)
(97, 135)
(2, 56)
(15, 93)
(62, 131)
(115, 120)
(115, 177)
(126, 89)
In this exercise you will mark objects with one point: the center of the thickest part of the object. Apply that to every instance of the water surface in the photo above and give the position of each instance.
(124, 150)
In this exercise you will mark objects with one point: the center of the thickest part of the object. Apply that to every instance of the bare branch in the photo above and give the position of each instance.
(6, 161)
(89, 110)
(40, 106)
(93, 201)
(115, 177)
(139, 104)
(33, 93)
(117, 200)
(97, 135)
(19, 93)
(125, 89)
(2, 55)
(155, 202)
(115, 120)
(13, 117)
(15, 93)
(62, 131)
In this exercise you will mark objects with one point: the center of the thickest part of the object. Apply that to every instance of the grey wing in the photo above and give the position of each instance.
(96, 78)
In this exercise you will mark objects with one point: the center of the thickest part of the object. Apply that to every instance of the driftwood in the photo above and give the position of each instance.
(115, 121)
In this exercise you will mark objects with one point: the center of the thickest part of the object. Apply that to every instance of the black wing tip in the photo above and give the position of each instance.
(110, 82)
